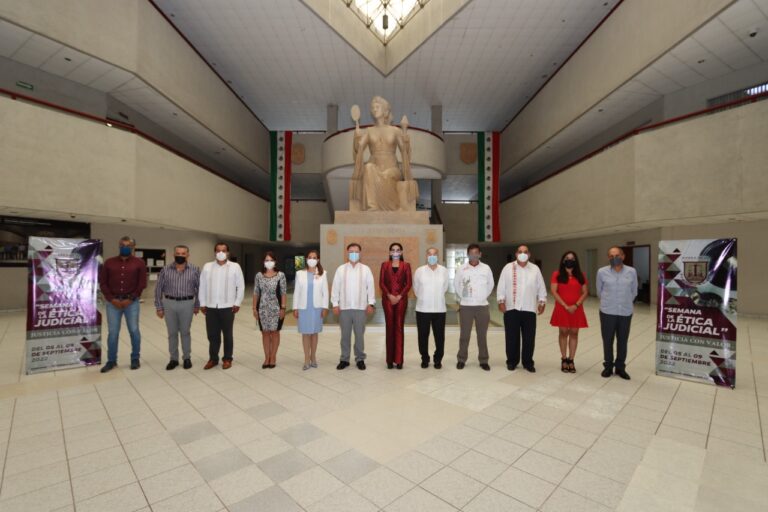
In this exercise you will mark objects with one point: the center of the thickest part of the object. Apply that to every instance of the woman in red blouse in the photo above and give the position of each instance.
(395, 283)
(569, 287)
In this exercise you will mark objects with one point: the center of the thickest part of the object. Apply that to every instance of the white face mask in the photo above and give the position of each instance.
(269, 265)
(311, 262)
(221, 256)
(522, 257)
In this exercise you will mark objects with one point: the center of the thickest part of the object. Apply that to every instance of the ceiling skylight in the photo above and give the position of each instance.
(385, 18)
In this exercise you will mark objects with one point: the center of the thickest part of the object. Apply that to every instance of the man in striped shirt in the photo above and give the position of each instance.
(176, 300)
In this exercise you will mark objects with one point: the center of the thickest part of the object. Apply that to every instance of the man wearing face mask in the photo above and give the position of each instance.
(473, 284)
(430, 282)
(521, 294)
(222, 288)
(353, 296)
(122, 279)
(617, 289)
(176, 300)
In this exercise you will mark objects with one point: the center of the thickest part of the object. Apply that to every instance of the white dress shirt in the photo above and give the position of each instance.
(430, 286)
(221, 286)
(521, 288)
(473, 284)
(353, 287)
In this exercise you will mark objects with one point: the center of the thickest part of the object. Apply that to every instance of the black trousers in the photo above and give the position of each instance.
(517, 323)
(423, 323)
(219, 322)
(615, 326)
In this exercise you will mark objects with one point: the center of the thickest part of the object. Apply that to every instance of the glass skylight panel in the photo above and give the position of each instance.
(385, 18)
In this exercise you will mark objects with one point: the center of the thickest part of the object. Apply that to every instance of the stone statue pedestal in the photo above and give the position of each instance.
(375, 231)
(380, 217)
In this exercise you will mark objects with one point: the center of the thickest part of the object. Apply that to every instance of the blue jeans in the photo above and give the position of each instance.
(114, 315)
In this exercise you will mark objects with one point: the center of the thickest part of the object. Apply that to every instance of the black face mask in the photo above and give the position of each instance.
(180, 259)
(569, 263)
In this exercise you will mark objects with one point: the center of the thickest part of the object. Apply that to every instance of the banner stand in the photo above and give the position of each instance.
(697, 310)
(63, 319)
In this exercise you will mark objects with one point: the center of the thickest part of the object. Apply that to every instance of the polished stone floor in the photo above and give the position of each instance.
(248, 439)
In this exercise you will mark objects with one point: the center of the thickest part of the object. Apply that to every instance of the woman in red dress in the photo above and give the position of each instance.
(395, 283)
(569, 287)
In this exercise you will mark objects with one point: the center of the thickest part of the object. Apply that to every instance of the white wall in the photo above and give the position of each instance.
(53, 163)
(704, 170)
(634, 36)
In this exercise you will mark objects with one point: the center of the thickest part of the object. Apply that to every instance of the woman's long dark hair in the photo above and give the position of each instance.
(562, 276)
(398, 244)
(269, 254)
(316, 253)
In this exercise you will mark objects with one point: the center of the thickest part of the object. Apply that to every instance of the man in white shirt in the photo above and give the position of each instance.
(521, 294)
(430, 282)
(222, 288)
(353, 296)
(473, 284)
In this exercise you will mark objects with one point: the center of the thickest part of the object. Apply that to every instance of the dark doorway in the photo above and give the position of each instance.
(639, 257)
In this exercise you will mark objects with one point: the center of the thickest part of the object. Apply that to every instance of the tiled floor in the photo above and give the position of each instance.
(248, 439)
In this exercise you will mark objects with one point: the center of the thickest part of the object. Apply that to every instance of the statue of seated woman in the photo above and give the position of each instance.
(381, 184)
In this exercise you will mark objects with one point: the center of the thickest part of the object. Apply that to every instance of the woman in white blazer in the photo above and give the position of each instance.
(310, 305)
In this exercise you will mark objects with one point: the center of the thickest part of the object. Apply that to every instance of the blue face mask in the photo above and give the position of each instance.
(616, 261)
(125, 250)
(432, 259)
(354, 257)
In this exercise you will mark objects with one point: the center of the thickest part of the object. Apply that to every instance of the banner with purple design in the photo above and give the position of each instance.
(63, 320)
(696, 311)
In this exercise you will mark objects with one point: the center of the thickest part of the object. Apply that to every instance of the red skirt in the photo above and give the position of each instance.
(562, 318)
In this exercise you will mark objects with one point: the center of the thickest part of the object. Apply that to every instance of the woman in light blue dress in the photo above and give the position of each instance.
(310, 305)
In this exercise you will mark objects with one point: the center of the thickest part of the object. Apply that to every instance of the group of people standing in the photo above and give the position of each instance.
(217, 291)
